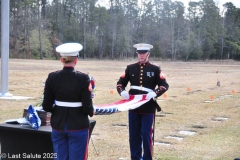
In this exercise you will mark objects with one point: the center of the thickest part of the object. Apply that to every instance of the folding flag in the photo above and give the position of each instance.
(133, 102)
(33, 117)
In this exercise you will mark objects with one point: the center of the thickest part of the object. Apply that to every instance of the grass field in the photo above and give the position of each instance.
(193, 103)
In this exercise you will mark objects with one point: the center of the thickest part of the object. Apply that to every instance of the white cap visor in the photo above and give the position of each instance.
(69, 49)
(143, 46)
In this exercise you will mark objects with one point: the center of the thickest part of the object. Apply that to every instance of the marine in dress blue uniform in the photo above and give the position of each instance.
(144, 78)
(67, 95)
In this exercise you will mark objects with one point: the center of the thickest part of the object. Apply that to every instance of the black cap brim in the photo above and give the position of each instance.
(142, 51)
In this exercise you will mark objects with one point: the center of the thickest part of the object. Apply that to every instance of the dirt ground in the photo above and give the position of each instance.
(194, 104)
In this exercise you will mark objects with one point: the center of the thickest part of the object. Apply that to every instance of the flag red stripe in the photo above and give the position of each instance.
(123, 105)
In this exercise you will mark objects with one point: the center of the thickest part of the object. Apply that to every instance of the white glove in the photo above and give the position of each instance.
(151, 95)
(125, 94)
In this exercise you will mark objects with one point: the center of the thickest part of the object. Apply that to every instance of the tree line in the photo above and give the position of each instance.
(199, 32)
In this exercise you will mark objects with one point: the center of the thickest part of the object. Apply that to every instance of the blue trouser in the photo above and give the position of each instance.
(140, 134)
(70, 145)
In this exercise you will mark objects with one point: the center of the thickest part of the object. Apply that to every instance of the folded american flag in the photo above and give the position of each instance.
(33, 117)
(133, 102)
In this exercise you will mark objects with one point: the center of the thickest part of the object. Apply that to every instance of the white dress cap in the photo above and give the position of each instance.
(69, 49)
(143, 46)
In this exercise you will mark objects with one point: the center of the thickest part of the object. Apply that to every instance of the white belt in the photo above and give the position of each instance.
(68, 104)
(141, 88)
